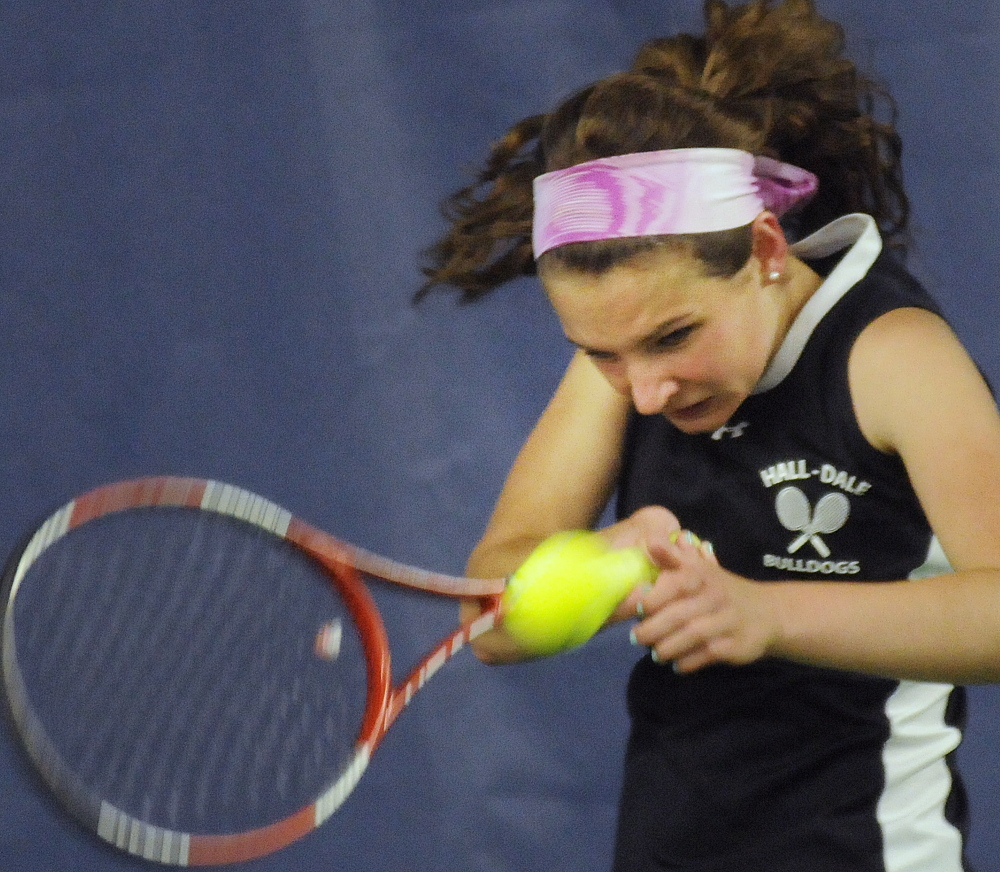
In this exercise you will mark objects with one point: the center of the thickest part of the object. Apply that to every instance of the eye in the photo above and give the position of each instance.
(674, 338)
(600, 356)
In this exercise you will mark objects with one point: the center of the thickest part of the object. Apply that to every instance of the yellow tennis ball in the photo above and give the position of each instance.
(614, 576)
(567, 589)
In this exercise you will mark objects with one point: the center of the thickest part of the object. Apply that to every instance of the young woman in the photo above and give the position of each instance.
(715, 229)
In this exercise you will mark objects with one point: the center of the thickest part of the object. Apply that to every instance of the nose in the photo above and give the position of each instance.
(650, 389)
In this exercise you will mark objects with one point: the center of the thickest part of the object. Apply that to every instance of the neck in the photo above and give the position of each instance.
(797, 284)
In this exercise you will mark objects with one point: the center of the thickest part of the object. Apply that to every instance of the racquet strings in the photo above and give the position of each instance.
(169, 664)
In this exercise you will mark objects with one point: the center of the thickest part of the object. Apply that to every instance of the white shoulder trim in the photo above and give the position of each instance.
(860, 233)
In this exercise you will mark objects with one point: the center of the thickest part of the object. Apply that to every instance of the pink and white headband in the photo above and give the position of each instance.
(683, 190)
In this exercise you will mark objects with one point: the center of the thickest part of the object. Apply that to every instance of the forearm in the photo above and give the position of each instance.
(503, 559)
(561, 480)
(495, 559)
(945, 628)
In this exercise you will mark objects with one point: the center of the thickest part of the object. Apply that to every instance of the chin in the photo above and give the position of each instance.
(693, 428)
(706, 417)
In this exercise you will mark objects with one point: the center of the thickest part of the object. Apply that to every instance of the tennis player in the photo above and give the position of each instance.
(720, 231)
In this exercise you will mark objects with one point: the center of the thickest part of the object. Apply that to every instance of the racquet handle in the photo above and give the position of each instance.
(567, 589)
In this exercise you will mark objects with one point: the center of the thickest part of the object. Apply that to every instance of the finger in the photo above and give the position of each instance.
(644, 528)
(686, 548)
(664, 554)
(697, 644)
(692, 662)
(632, 605)
(721, 649)
(672, 619)
(684, 538)
(671, 585)
(664, 550)
(686, 575)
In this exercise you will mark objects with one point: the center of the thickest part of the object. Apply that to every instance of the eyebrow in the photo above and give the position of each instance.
(664, 329)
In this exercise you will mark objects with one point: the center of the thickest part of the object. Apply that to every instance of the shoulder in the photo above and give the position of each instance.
(885, 287)
(895, 330)
(908, 370)
(919, 395)
(854, 295)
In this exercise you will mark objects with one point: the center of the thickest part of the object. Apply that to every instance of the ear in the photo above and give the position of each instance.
(770, 248)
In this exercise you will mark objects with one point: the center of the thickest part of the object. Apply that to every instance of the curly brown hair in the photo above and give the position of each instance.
(770, 79)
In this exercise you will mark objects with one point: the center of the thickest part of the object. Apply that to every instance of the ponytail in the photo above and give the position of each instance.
(768, 79)
(489, 239)
(783, 70)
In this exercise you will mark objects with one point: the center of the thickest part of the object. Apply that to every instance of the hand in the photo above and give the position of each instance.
(650, 528)
(568, 588)
(647, 527)
(698, 613)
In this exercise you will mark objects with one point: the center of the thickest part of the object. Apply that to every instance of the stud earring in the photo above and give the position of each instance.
(774, 276)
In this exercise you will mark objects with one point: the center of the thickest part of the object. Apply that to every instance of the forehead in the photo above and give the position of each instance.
(664, 277)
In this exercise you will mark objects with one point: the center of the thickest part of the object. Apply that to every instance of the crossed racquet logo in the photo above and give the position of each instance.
(798, 516)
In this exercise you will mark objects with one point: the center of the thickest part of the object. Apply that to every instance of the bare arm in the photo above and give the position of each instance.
(562, 479)
(564, 474)
(918, 395)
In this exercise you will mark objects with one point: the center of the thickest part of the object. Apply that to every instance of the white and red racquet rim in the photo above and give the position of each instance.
(344, 563)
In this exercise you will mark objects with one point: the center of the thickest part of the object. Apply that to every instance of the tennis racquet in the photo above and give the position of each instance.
(199, 676)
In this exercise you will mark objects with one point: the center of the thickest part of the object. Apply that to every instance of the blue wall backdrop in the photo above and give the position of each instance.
(210, 220)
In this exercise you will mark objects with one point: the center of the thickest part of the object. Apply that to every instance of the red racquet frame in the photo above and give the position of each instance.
(344, 563)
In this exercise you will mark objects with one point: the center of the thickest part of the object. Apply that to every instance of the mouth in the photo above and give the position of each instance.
(695, 417)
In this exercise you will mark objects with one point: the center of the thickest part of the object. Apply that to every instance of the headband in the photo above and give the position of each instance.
(653, 193)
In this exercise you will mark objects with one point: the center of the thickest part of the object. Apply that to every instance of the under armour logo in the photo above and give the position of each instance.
(798, 516)
(733, 432)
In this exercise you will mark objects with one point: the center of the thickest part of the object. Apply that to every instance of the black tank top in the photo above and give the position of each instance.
(776, 765)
